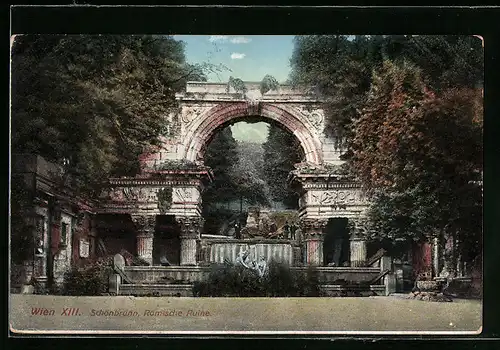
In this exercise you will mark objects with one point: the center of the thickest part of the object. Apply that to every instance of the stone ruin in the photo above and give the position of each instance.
(261, 224)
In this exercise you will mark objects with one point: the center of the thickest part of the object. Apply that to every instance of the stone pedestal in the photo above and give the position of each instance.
(436, 251)
(357, 243)
(357, 251)
(188, 251)
(312, 231)
(190, 234)
(145, 226)
(145, 247)
(448, 251)
(422, 260)
(314, 251)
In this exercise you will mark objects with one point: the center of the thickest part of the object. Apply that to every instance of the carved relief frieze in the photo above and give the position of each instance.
(191, 113)
(141, 194)
(315, 116)
(184, 194)
(337, 198)
(132, 194)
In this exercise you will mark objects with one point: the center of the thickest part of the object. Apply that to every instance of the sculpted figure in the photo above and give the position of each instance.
(242, 258)
(262, 266)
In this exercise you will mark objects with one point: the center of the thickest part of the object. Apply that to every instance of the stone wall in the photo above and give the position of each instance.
(190, 274)
(277, 251)
(166, 274)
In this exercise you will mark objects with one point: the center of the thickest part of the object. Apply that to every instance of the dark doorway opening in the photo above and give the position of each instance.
(166, 242)
(115, 232)
(336, 243)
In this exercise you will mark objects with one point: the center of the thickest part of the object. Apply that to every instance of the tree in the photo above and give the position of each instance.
(419, 154)
(221, 155)
(268, 83)
(247, 175)
(447, 61)
(339, 68)
(94, 103)
(411, 131)
(281, 151)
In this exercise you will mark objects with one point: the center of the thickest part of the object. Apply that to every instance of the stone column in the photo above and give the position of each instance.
(145, 226)
(312, 233)
(357, 243)
(449, 262)
(435, 257)
(190, 234)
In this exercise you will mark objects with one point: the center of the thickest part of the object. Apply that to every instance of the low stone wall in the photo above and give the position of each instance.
(186, 290)
(166, 274)
(348, 274)
(180, 290)
(190, 274)
(333, 290)
(278, 250)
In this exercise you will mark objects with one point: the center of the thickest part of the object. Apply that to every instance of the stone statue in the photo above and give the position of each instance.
(293, 230)
(262, 266)
(242, 258)
(164, 261)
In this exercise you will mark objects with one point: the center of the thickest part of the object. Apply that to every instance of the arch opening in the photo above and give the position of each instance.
(251, 167)
(200, 134)
(254, 119)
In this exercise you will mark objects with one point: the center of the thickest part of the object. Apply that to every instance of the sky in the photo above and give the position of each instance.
(248, 57)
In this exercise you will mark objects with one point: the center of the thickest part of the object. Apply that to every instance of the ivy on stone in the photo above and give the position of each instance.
(268, 83)
(237, 84)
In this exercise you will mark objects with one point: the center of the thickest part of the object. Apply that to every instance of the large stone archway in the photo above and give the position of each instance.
(200, 132)
(178, 167)
(204, 107)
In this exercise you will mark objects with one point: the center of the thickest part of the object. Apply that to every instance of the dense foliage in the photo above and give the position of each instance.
(90, 280)
(237, 168)
(248, 176)
(420, 155)
(228, 280)
(339, 68)
(221, 154)
(407, 111)
(281, 151)
(22, 238)
(94, 103)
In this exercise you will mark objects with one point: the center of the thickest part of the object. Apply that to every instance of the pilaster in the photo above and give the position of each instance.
(145, 226)
(312, 230)
(357, 242)
(189, 235)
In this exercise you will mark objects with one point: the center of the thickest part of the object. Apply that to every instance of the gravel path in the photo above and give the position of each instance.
(368, 315)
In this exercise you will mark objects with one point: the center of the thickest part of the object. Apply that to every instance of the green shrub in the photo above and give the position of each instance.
(90, 280)
(230, 280)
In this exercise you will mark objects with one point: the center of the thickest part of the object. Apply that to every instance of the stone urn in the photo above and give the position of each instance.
(428, 286)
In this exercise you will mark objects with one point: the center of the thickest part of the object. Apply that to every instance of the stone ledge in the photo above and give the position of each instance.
(166, 268)
(249, 241)
(340, 269)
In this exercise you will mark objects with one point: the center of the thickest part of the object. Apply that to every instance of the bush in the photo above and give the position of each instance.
(89, 280)
(230, 280)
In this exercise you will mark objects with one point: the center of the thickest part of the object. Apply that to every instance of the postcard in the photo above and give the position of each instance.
(246, 184)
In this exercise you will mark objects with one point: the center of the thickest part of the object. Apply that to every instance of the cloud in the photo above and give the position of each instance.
(240, 40)
(214, 38)
(237, 56)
